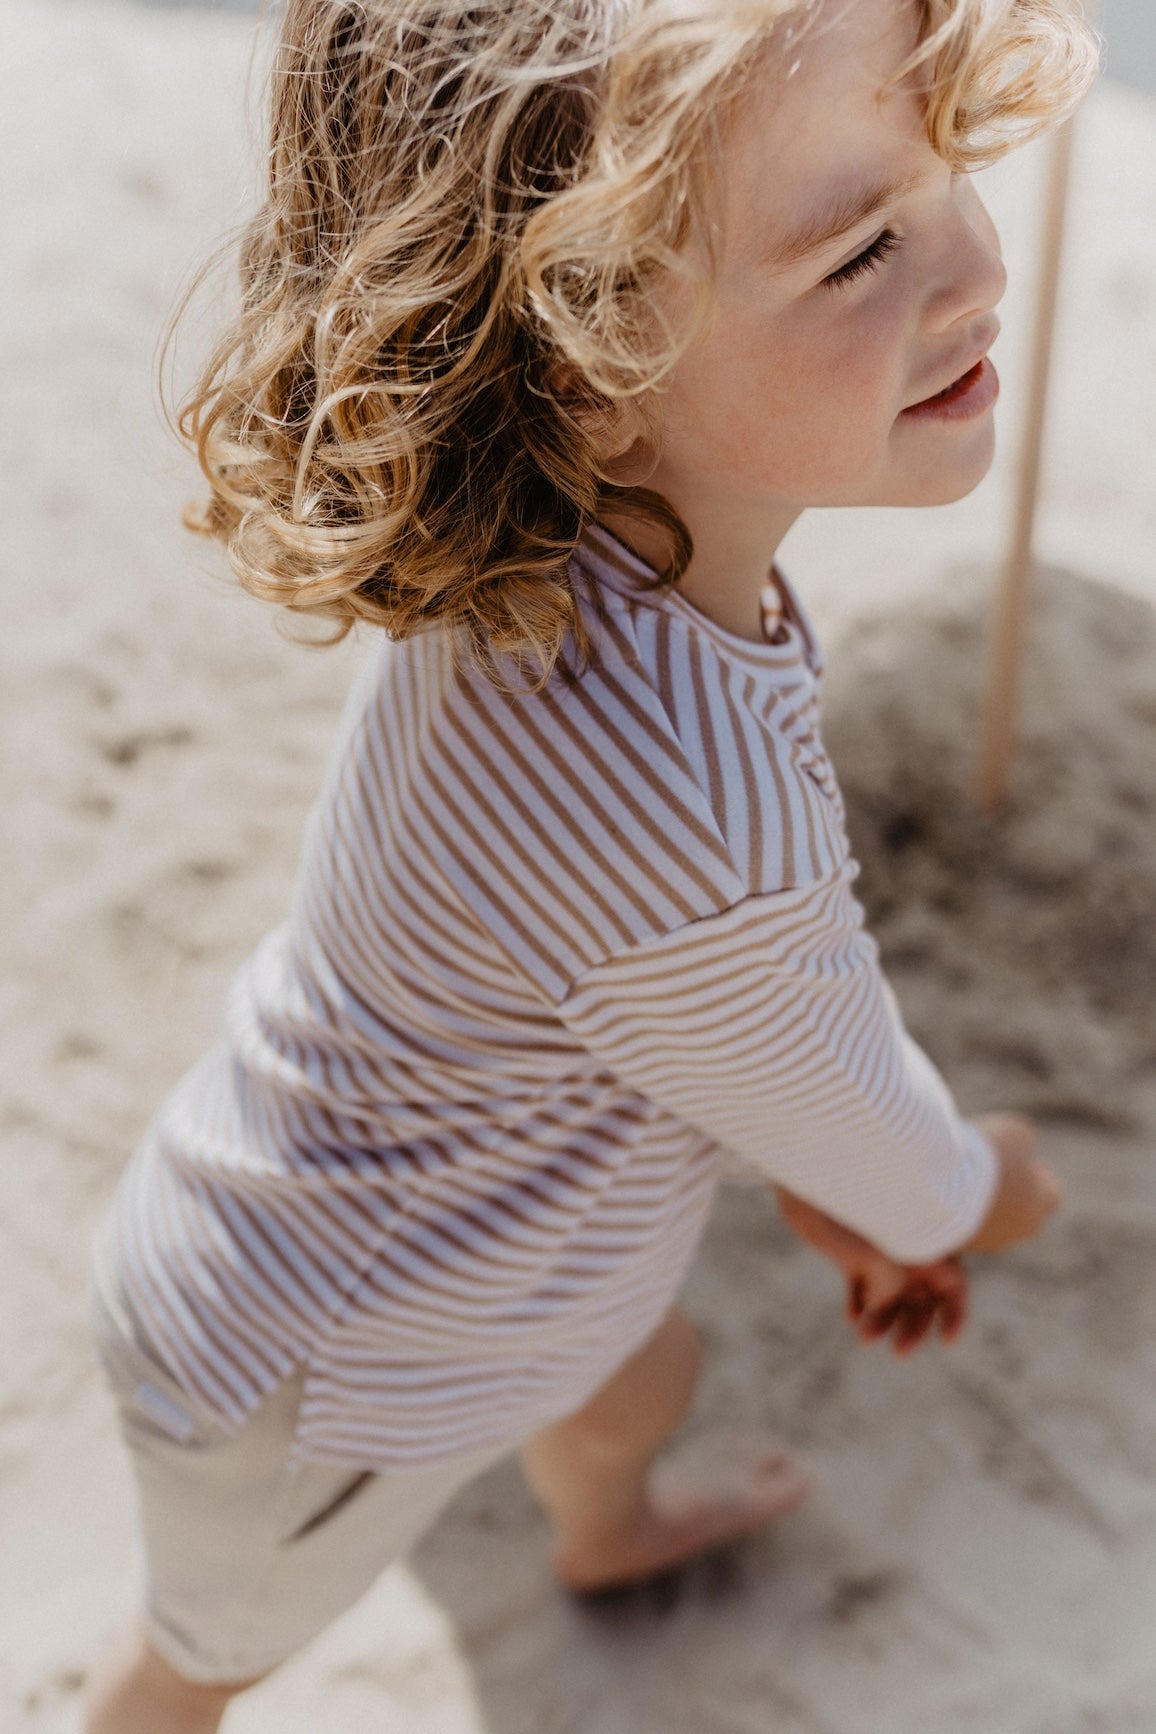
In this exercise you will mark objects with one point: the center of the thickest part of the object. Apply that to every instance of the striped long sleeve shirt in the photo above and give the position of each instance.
(555, 962)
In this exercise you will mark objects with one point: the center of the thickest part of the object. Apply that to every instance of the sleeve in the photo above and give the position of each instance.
(771, 1029)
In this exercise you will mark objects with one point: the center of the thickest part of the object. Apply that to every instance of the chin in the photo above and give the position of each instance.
(942, 478)
(949, 493)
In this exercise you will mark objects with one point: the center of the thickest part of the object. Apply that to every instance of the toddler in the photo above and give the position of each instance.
(555, 317)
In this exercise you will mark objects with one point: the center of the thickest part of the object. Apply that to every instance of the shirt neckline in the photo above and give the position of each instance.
(613, 564)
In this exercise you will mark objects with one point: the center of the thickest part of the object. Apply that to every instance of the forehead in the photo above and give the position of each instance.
(813, 128)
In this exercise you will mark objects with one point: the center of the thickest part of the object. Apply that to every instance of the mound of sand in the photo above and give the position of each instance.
(1024, 948)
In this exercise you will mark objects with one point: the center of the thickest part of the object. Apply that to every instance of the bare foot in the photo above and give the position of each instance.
(717, 1490)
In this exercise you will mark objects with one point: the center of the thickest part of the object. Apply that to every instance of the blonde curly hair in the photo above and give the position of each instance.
(448, 283)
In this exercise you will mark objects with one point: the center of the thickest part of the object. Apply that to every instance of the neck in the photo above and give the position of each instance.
(734, 554)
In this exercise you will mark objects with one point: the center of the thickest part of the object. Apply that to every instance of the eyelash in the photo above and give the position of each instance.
(868, 260)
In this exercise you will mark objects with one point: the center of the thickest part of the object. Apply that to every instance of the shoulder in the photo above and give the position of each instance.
(586, 817)
(661, 784)
(746, 719)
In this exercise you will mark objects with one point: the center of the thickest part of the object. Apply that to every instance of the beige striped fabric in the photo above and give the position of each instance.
(554, 963)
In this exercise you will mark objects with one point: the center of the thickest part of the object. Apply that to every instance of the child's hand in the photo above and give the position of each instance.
(906, 1302)
(1028, 1192)
(884, 1298)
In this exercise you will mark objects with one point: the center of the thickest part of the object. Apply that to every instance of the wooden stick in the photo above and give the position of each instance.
(1009, 626)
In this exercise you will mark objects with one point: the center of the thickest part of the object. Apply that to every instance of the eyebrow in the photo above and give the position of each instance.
(845, 210)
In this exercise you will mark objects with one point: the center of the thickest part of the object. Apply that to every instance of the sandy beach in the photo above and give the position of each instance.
(980, 1557)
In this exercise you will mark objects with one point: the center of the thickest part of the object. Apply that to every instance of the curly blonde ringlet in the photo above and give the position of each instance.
(449, 286)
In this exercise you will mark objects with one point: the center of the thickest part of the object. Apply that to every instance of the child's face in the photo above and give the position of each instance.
(802, 392)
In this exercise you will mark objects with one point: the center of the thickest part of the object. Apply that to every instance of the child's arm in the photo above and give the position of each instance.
(770, 1028)
(884, 1296)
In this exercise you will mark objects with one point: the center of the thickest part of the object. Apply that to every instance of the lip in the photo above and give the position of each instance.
(971, 393)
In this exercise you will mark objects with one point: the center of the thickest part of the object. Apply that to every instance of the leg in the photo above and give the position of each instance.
(137, 1692)
(593, 1473)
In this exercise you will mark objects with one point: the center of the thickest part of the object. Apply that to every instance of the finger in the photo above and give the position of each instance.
(858, 1297)
(877, 1323)
(916, 1318)
(948, 1281)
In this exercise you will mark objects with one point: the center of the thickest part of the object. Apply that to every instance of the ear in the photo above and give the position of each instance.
(614, 426)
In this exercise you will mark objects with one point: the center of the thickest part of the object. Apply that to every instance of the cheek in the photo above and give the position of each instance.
(811, 408)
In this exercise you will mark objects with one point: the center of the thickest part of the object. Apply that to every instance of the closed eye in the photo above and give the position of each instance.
(868, 260)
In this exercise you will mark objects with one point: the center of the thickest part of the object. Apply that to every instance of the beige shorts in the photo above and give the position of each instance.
(245, 1554)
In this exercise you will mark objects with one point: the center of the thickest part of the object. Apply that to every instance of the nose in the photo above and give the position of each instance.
(974, 278)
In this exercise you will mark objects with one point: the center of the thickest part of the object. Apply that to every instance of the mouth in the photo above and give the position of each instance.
(967, 397)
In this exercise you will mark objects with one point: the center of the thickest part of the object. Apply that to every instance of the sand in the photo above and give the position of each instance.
(980, 1557)
(1024, 948)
